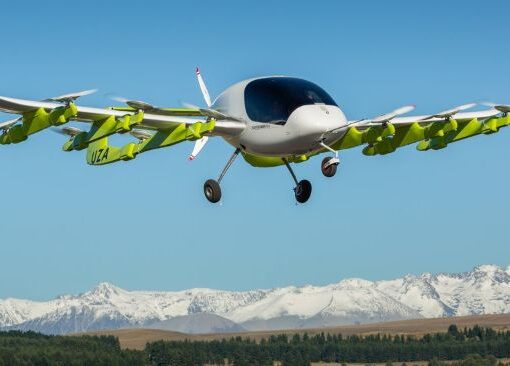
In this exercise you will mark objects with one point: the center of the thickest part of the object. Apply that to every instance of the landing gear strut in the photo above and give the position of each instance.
(329, 164)
(303, 188)
(212, 189)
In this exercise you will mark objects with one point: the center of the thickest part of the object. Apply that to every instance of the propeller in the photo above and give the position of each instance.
(203, 88)
(449, 113)
(73, 131)
(211, 113)
(385, 118)
(5, 126)
(135, 104)
(503, 108)
(141, 134)
(68, 131)
(199, 144)
(68, 98)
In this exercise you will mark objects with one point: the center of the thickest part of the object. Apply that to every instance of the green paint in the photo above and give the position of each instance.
(38, 120)
(100, 153)
(434, 135)
(272, 161)
(104, 128)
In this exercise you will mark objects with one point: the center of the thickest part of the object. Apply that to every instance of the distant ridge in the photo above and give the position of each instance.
(484, 290)
(138, 338)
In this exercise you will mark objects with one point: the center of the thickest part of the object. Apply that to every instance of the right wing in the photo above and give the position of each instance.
(385, 134)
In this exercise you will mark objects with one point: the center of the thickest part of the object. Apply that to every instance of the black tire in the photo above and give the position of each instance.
(329, 171)
(303, 191)
(212, 191)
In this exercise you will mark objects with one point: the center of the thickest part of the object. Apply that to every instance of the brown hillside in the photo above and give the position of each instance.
(137, 338)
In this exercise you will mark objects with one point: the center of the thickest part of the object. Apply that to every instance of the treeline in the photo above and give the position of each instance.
(35, 349)
(475, 346)
(302, 350)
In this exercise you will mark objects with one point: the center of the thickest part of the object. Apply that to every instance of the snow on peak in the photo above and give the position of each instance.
(106, 288)
(487, 268)
(104, 292)
(355, 283)
(484, 290)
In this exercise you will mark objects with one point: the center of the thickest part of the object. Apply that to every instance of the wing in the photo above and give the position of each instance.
(168, 125)
(157, 119)
(186, 112)
(383, 135)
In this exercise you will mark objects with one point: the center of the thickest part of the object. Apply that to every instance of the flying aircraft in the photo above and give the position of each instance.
(271, 121)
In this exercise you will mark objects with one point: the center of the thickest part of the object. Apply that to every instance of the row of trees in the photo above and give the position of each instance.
(35, 349)
(302, 350)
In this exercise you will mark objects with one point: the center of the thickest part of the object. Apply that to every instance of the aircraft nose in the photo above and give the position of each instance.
(314, 120)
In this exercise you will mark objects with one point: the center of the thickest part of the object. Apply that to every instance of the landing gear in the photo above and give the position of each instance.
(328, 166)
(212, 189)
(303, 189)
(330, 163)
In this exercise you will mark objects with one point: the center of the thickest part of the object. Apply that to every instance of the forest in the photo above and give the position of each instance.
(35, 349)
(475, 346)
(299, 350)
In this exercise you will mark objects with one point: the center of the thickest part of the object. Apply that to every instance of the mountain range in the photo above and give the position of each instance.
(483, 290)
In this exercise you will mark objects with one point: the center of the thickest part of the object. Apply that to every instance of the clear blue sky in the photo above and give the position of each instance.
(66, 226)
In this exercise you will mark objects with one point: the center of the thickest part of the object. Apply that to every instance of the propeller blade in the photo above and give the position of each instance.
(211, 113)
(208, 112)
(135, 104)
(71, 97)
(8, 124)
(190, 106)
(397, 112)
(199, 145)
(68, 131)
(141, 134)
(504, 108)
(451, 112)
(203, 88)
(118, 98)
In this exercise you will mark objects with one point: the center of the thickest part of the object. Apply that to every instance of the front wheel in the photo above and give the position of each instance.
(303, 191)
(212, 191)
(328, 168)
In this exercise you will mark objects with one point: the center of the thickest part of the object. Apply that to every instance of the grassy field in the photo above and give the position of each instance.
(137, 338)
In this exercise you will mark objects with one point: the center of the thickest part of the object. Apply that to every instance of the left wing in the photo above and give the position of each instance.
(386, 133)
(168, 125)
(159, 119)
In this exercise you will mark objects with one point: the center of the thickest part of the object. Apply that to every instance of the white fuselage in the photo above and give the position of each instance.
(301, 132)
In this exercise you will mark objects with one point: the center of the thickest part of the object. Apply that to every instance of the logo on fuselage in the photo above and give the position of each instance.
(259, 127)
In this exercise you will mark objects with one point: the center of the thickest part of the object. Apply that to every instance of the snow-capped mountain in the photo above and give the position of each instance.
(484, 290)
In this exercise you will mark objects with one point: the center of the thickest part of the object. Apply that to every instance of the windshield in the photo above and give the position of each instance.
(272, 100)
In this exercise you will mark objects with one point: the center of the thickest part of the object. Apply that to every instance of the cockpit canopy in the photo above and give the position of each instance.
(273, 99)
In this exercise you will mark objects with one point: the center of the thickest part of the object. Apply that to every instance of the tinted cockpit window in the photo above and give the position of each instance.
(272, 100)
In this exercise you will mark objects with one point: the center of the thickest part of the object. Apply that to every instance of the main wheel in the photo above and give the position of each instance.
(303, 191)
(212, 191)
(328, 170)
